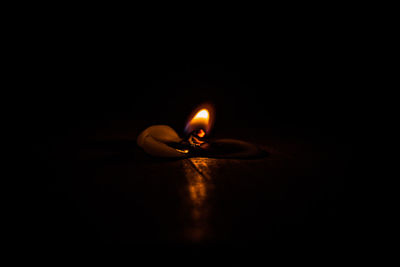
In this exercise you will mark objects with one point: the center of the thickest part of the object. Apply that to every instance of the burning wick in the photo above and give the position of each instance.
(200, 123)
(196, 138)
(198, 126)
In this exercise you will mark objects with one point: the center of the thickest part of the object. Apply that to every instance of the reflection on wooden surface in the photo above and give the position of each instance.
(200, 186)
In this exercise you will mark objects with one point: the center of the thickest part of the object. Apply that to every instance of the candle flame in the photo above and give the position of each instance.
(201, 121)
(201, 117)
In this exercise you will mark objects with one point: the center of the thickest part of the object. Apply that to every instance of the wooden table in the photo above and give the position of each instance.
(101, 188)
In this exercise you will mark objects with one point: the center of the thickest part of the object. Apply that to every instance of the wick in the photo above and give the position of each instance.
(196, 138)
(194, 142)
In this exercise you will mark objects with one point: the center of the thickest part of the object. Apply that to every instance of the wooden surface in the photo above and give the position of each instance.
(101, 188)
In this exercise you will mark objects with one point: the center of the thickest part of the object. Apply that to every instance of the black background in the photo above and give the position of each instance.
(308, 80)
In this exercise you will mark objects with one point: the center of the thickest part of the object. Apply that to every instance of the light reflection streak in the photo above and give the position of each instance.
(198, 175)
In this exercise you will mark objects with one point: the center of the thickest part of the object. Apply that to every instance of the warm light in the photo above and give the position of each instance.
(202, 114)
(201, 133)
(200, 186)
(201, 121)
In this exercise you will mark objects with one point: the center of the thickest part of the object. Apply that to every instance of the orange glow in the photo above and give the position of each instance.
(199, 187)
(201, 118)
(201, 133)
(201, 121)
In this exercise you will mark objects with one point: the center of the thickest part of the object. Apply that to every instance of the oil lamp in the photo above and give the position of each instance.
(163, 141)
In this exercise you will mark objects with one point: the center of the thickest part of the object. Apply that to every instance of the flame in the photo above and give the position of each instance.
(202, 120)
(202, 114)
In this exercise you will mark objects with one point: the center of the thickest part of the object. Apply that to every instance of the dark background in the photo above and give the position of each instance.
(288, 76)
(306, 82)
(292, 66)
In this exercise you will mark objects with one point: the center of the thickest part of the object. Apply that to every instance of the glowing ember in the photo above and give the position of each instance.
(201, 133)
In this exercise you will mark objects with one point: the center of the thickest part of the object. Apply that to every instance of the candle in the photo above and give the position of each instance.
(163, 141)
